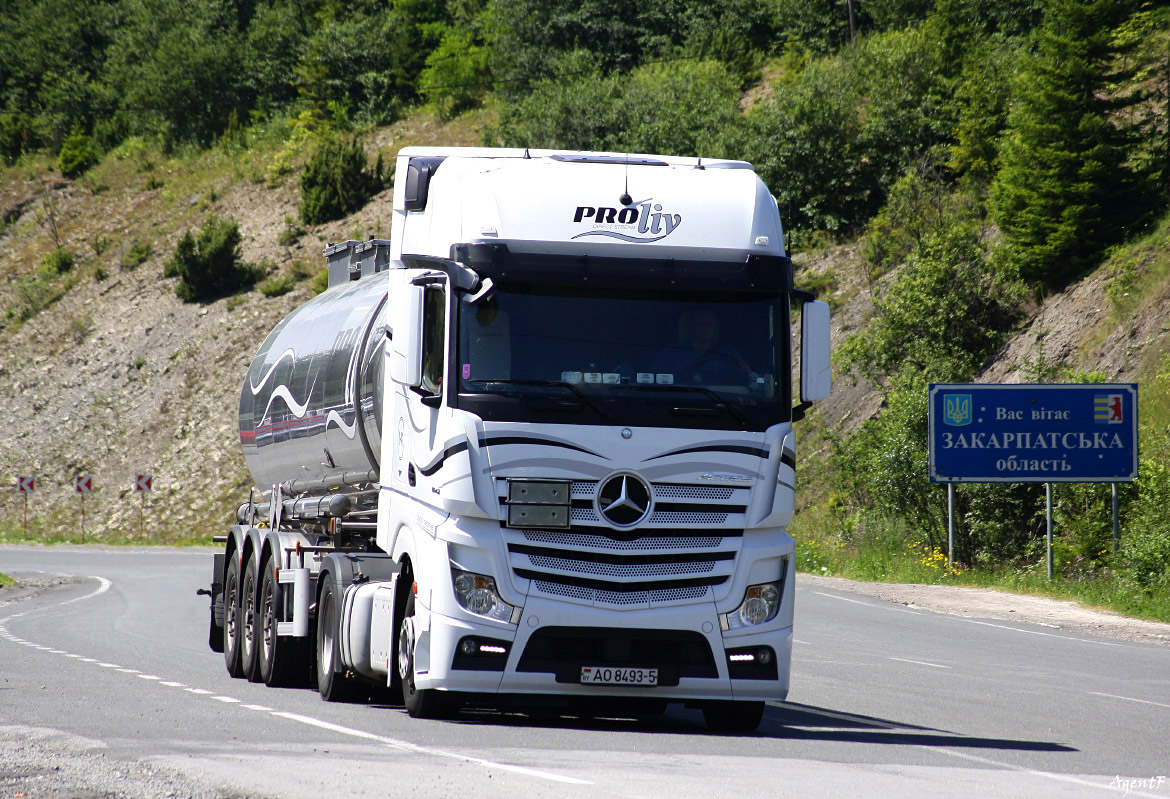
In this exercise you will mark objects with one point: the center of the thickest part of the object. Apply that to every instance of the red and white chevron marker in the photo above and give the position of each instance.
(26, 483)
(83, 484)
(143, 482)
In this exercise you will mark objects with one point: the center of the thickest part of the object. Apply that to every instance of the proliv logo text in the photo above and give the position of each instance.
(643, 221)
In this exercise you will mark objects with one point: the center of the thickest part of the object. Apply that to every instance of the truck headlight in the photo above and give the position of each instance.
(476, 593)
(760, 604)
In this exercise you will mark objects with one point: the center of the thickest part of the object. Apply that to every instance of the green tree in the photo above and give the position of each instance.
(681, 108)
(337, 181)
(807, 146)
(1064, 191)
(943, 315)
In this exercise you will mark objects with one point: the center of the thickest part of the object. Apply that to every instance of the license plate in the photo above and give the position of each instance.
(604, 675)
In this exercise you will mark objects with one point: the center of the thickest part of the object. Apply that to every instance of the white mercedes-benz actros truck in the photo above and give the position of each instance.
(536, 448)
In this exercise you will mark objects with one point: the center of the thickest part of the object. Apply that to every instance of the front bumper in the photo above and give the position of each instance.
(546, 650)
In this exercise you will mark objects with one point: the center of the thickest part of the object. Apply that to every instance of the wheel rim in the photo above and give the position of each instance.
(405, 652)
(268, 611)
(249, 614)
(230, 605)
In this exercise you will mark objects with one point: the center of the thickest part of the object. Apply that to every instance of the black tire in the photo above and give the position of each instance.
(331, 680)
(420, 703)
(231, 617)
(282, 661)
(733, 716)
(249, 655)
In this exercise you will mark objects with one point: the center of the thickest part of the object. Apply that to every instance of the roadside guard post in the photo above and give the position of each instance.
(1033, 433)
(25, 485)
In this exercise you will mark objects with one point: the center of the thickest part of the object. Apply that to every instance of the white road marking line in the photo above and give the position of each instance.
(101, 589)
(886, 606)
(130, 671)
(1037, 632)
(198, 691)
(920, 663)
(148, 677)
(255, 707)
(406, 746)
(226, 699)
(1035, 772)
(173, 684)
(109, 665)
(1130, 699)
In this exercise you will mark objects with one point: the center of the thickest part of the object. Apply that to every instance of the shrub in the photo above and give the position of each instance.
(78, 153)
(137, 254)
(336, 181)
(208, 265)
(278, 286)
(57, 262)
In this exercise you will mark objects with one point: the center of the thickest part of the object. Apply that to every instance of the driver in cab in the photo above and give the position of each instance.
(698, 358)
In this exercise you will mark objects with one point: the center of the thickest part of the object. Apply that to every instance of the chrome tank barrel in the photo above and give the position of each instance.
(311, 405)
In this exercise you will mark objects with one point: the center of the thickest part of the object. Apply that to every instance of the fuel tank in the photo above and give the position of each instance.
(311, 405)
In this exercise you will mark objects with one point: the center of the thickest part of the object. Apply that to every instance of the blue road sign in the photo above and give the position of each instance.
(1033, 433)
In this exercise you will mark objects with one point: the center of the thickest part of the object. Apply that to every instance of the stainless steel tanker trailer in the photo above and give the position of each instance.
(536, 447)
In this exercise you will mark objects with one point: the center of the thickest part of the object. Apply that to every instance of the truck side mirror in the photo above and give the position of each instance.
(816, 373)
(406, 356)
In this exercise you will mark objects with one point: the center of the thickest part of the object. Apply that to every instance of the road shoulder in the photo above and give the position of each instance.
(986, 603)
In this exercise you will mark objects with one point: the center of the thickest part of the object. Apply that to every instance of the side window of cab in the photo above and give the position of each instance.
(434, 330)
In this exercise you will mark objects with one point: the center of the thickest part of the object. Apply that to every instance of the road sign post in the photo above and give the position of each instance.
(83, 484)
(1034, 433)
(142, 484)
(25, 484)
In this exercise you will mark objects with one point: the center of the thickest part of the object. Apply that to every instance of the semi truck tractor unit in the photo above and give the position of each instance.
(535, 448)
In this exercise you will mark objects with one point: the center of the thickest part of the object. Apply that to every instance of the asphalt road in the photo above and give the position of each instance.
(885, 701)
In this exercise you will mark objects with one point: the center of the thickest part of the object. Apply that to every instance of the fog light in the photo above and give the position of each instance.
(469, 646)
(764, 656)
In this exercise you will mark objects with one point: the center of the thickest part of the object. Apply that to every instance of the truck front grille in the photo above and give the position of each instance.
(682, 552)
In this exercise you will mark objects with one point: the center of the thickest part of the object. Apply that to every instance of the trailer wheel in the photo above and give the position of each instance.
(331, 682)
(231, 617)
(420, 703)
(249, 660)
(281, 660)
(733, 716)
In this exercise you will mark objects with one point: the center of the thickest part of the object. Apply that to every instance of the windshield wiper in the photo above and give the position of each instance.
(554, 384)
(720, 403)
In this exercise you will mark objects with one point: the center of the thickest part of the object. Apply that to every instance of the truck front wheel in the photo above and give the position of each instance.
(420, 703)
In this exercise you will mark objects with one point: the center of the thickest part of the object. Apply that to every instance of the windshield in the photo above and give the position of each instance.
(639, 357)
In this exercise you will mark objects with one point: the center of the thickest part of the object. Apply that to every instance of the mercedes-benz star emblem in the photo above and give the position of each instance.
(624, 500)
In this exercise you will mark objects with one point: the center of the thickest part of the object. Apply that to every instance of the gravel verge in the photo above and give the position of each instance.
(38, 763)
